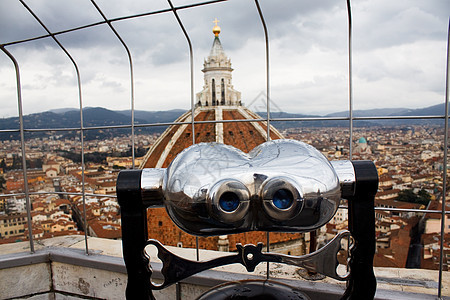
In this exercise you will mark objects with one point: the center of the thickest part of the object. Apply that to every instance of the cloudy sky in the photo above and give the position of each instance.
(399, 53)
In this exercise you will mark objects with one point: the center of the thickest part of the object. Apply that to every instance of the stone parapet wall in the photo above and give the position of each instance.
(60, 269)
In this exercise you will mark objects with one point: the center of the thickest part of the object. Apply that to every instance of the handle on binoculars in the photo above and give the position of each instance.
(134, 234)
(176, 268)
(362, 282)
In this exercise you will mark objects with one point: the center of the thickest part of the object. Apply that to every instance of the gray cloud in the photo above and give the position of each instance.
(399, 47)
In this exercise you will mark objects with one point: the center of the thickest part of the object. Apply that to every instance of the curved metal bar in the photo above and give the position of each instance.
(428, 117)
(350, 79)
(305, 119)
(444, 184)
(111, 20)
(129, 126)
(131, 78)
(191, 63)
(424, 211)
(81, 116)
(22, 145)
(266, 37)
(57, 193)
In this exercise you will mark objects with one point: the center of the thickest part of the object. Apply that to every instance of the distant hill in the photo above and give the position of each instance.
(98, 116)
(92, 117)
(61, 110)
(371, 112)
(154, 116)
(294, 124)
(435, 110)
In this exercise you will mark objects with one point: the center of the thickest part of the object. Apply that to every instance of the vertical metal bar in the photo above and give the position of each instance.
(191, 65)
(350, 91)
(350, 80)
(131, 79)
(83, 167)
(191, 62)
(266, 38)
(81, 118)
(444, 188)
(197, 249)
(178, 291)
(268, 250)
(22, 145)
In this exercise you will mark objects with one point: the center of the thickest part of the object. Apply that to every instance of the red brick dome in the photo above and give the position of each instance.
(242, 135)
(218, 101)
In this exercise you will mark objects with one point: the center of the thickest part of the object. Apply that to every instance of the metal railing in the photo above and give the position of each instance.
(132, 126)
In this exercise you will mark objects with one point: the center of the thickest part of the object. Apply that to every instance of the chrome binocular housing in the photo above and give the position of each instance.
(281, 185)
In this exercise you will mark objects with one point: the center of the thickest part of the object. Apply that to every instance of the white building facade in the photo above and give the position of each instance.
(218, 89)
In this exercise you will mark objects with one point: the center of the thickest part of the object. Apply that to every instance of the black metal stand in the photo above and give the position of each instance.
(134, 234)
(362, 283)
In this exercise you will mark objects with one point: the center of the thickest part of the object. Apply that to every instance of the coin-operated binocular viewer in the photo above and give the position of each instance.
(212, 189)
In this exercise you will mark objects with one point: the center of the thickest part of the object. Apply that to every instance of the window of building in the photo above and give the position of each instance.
(213, 91)
(223, 92)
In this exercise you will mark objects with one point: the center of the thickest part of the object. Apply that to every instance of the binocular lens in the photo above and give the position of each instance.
(229, 201)
(282, 199)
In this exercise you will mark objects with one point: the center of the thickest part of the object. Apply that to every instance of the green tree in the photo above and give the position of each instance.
(422, 197)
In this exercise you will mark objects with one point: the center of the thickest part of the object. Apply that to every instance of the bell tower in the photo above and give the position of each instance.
(218, 89)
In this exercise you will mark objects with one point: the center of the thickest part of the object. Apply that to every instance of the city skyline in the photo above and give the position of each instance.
(394, 150)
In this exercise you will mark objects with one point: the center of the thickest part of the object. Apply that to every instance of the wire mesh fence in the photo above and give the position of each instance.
(60, 38)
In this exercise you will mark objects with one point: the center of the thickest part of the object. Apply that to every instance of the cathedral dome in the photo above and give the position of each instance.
(242, 135)
(217, 102)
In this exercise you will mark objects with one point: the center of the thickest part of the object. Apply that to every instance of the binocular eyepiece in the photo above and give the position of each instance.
(230, 200)
(281, 185)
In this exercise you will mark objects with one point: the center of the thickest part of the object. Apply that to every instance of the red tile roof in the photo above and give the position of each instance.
(242, 135)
